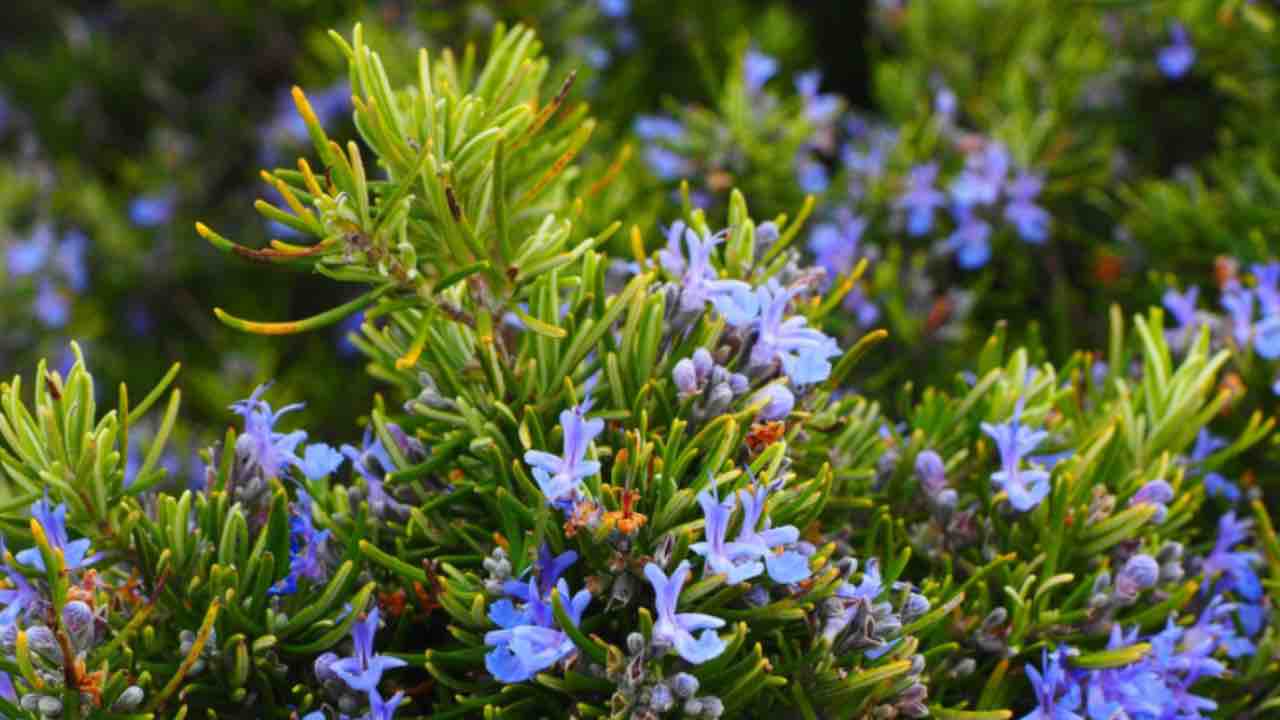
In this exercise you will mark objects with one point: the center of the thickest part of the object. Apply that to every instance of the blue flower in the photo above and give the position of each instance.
(982, 178)
(70, 260)
(1266, 339)
(380, 709)
(529, 641)
(757, 69)
(811, 175)
(362, 671)
(306, 549)
(614, 8)
(1235, 567)
(820, 108)
(1238, 303)
(53, 307)
(781, 402)
(549, 569)
(1058, 697)
(153, 209)
(25, 258)
(803, 352)
(21, 599)
(836, 247)
(970, 240)
(373, 463)
(1025, 488)
(783, 564)
(560, 477)
(320, 461)
(1176, 58)
(920, 199)
(1030, 220)
(1182, 306)
(53, 521)
(699, 281)
(1268, 287)
(737, 562)
(675, 630)
(260, 445)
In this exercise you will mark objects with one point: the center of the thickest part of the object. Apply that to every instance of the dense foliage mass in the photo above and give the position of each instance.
(754, 406)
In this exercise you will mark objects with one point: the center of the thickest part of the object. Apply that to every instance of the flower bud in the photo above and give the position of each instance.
(931, 472)
(324, 667)
(915, 606)
(660, 698)
(129, 700)
(1139, 573)
(718, 403)
(739, 383)
(712, 707)
(703, 363)
(685, 685)
(78, 619)
(686, 377)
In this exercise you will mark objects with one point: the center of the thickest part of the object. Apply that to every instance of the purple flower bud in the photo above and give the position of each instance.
(703, 362)
(324, 667)
(1158, 493)
(78, 619)
(660, 698)
(685, 685)
(1139, 573)
(931, 471)
(738, 383)
(686, 377)
(781, 402)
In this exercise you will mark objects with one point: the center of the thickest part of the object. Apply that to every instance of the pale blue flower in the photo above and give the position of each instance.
(803, 352)
(259, 445)
(53, 520)
(737, 562)
(362, 671)
(920, 199)
(1026, 488)
(676, 630)
(560, 477)
(1176, 58)
(320, 461)
(784, 564)
(757, 69)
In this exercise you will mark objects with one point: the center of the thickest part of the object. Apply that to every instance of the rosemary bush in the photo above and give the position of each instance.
(631, 476)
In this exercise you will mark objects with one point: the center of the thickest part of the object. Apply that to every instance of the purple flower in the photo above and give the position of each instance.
(835, 245)
(699, 283)
(53, 521)
(855, 597)
(781, 402)
(560, 477)
(25, 258)
(803, 352)
(1215, 485)
(970, 240)
(259, 445)
(53, 307)
(363, 670)
(1025, 488)
(737, 562)
(757, 69)
(920, 199)
(1234, 567)
(320, 461)
(658, 127)
(818, 107)
(529, 641)
(1238, 303)
(1182, 306)
(660, 131)
(1176, 58)
(70, 260)
(1030, 220)
(983, 175)
(373, 462)
(153, 209)
(783, 565)
(945, 103)
(1158, 493)
(380, 709)
(1268, 287)
(1057, 696)
(676, 630)
(614, 8)
(306, 549)
(21, 599)
(1266, 339)
(811, 175)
